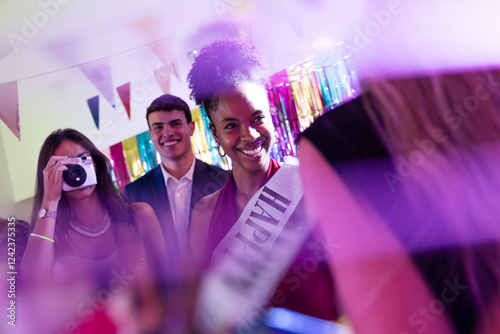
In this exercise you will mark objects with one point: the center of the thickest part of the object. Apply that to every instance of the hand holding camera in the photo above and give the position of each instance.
(79, 175)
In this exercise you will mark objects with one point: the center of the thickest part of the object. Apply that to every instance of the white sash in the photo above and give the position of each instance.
(248, 264)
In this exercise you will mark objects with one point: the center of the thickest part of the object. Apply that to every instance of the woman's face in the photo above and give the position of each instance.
(73, 150)
(243, 126)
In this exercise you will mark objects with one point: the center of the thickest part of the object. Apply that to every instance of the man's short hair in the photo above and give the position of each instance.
(169, 102)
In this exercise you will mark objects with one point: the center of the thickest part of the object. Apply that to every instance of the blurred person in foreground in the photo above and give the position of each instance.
(88, 245)
(412, 167)
(251, 238)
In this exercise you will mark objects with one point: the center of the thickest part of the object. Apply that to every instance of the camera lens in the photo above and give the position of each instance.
(75, 175)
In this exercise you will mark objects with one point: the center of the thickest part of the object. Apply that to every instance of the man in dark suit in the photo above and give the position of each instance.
(175, 186)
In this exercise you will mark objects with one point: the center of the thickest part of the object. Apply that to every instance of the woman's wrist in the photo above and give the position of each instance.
(50, 205)
(46, 219)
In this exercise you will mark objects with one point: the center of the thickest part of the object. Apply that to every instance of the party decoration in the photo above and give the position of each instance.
(201, 147)
(285, 115)
(94, 109)
(119, 166)
(99, 73)
(124, 93)
(164, 50)
(9, 108)
(203, 142)
(147, 151)
(107, 152)
(132, 158)
(336, 75)
(303, 92)
(162, 77)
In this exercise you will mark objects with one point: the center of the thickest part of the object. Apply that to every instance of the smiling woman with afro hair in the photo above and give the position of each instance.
(229, 80)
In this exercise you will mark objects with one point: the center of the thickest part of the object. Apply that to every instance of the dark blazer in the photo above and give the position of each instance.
(150, 188)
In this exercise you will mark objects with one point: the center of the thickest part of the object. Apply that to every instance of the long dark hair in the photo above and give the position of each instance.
(118, 208)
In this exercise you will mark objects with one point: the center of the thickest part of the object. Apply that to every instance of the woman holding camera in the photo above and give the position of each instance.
(87, 232)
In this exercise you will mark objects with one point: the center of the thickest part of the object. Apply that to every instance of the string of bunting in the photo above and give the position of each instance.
(98, 72)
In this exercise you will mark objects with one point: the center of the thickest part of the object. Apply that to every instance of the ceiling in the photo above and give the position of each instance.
(41, 36)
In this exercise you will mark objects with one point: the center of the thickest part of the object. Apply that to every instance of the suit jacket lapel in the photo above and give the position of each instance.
(198, 181)
(159, 193)
(160, 198)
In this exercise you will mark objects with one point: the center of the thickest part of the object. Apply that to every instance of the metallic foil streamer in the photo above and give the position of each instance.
(119, 166)
(147, 151)
(132, 158)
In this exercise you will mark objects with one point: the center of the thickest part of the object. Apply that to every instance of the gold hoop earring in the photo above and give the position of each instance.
(218, 150)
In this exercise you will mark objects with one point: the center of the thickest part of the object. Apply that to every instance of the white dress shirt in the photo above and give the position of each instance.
(179, 196)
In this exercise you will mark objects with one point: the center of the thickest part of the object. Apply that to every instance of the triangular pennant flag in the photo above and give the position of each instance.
(164, 50)
(94, 109)
(124, 93)
(293, 15)
(9, 107)
(99, 73)
(174, 68)
(162, 77)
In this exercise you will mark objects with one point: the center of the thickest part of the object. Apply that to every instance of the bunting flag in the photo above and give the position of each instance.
(124, 93)
(99, 73)
(162, 77)
(9, 107)
(164, 50)
(94, 109)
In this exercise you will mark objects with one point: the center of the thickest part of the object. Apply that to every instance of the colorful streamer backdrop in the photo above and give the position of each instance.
(121, 173)
(303, 92)
(132, 158)
(147, 151)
